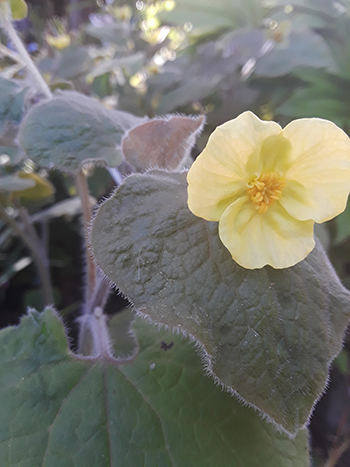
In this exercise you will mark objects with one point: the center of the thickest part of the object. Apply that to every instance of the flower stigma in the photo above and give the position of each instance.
(265, 190)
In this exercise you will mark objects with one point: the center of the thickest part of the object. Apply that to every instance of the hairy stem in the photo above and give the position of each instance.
(87, 332)
(100, 296)
(100, 335)
(32, 241)
(83, 192)
(7, 26)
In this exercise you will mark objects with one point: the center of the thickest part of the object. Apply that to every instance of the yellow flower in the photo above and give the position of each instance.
(59, 42)
(267, 186)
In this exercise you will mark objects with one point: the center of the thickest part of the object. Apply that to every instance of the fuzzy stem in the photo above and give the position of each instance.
(100, 335)
(87, 331)
(96, 341)
(100, 296)
(33, 244)
(83, 192)
(7, 26)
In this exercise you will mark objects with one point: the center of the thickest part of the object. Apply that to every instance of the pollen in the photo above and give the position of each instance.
(266, 190)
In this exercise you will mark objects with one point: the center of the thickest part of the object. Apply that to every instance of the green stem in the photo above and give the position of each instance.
(32, 242)
(7, 26)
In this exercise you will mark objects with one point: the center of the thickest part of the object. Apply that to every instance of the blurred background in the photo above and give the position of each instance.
(282, 60)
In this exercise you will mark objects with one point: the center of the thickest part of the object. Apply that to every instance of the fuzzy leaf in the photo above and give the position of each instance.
(268, 335)
(158, 410)
(72, 129)
(12, 100)
(164, 143)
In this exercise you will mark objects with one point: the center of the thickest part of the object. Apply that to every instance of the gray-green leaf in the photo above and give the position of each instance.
(268, 335)
(10, 183)
(71, 129)
(157, 411)
(12, 101)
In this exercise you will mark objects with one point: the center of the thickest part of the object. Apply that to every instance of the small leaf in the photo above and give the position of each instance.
(19, 9)
(10, 183)
(12, 101)
(268, 335)
(61, 85)
(157, 411)
(41, 190)
(163, 143)
(72, 129)
(132, 63)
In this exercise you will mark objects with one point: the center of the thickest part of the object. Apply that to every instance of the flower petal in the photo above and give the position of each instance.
(318, 181)
(275, 156)
(209, 192)
(221, 173)
(274, 238)
(243, 138)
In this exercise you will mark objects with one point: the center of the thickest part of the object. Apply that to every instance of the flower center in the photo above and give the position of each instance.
(265, 190)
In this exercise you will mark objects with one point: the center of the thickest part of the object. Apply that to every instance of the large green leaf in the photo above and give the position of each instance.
(221, 13)
(268, 335)
(325, 95)
(157, 411)
(71, 129)
(12, 100)
(302, 48)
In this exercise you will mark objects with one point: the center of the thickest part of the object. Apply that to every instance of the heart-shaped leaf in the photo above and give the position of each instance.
(156, 411)
(268, 335)
(71, 129)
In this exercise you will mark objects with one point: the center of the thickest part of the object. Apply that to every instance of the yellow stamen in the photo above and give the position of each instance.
(265, 190)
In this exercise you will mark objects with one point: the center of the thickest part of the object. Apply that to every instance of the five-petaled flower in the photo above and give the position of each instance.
(267, 186)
